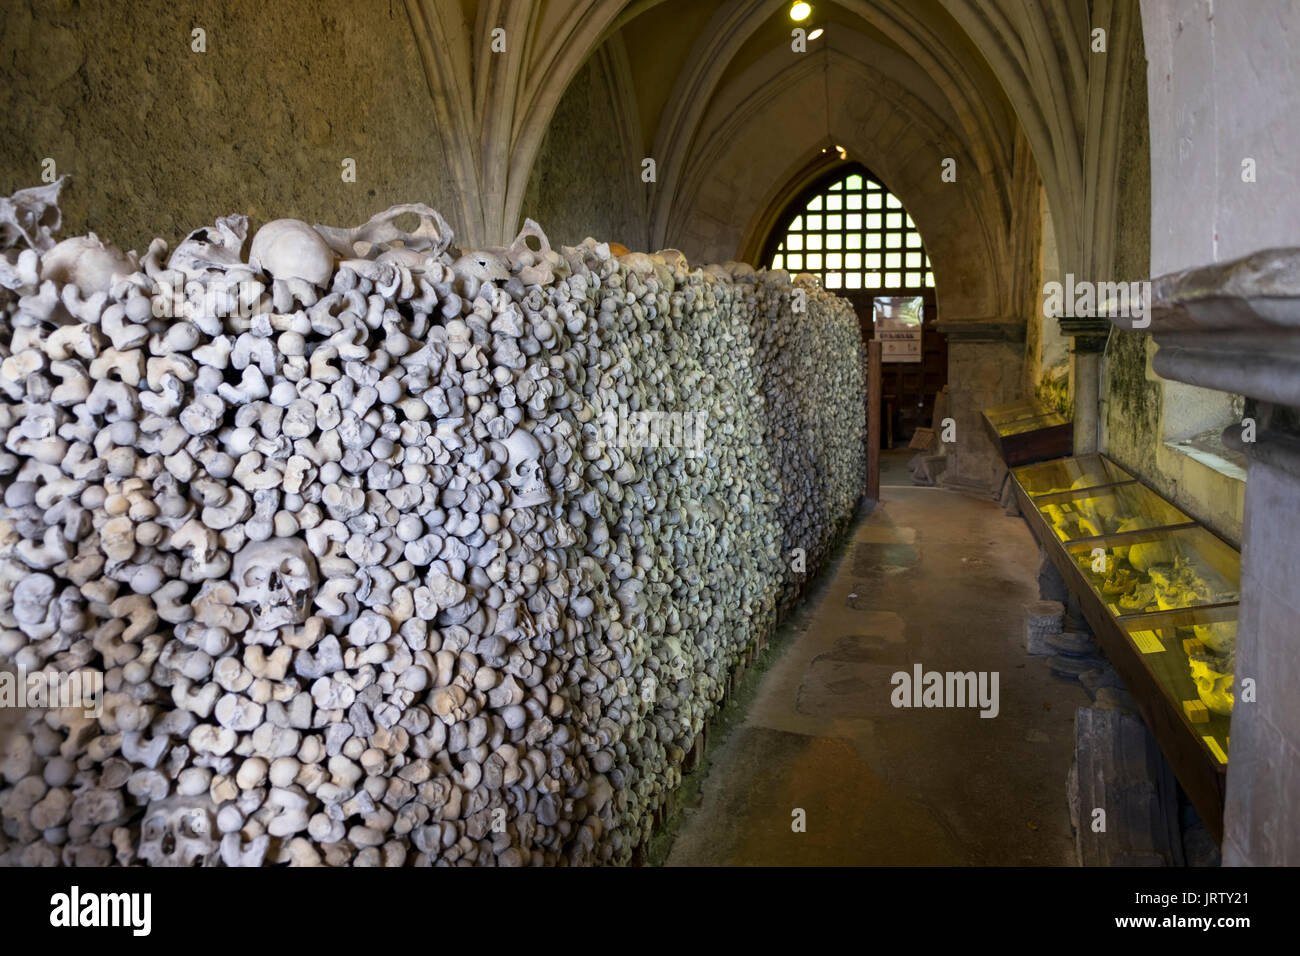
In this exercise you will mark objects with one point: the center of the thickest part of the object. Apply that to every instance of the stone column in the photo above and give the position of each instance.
(1088, 336)
(984, 365)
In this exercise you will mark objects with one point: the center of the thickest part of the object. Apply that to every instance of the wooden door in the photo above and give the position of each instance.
(908, 388)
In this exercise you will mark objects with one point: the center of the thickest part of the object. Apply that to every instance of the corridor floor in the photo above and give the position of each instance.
(931, 577)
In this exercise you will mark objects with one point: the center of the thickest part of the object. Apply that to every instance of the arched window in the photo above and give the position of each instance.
(855, 235)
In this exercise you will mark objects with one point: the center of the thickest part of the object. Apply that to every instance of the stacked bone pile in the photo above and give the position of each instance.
(816, 427)
(367, 573)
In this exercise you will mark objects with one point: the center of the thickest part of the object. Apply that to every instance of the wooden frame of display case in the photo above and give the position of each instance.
(1052, 438)
(1202, 775)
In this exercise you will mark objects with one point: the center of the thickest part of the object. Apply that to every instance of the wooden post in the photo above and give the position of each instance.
(873, 419)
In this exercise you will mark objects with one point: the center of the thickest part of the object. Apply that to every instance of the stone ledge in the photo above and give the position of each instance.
(1257, 293)
(1232, 326)
(1212, 452)
(983, 330)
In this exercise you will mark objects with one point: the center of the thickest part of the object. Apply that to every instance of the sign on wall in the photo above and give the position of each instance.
(897, 322)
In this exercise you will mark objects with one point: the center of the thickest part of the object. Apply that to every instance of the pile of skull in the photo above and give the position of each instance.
(814, 433)
(367, 572)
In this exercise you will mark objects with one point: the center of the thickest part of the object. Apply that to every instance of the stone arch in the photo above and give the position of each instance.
(740, 165)
(494, 107)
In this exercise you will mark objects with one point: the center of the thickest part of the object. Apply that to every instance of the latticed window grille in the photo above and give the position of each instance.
(856, 235)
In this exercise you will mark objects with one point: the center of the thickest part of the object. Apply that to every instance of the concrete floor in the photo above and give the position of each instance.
(930, 577)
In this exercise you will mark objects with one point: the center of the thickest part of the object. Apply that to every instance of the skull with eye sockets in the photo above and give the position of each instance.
(524, 470)
(179, 831)
(277, 581)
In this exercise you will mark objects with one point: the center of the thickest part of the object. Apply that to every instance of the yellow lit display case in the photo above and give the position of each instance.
(1070, 474)
(1159, 569)
(1174, 592)
(1016, 411)
(1161, 593)
(1108, 510)
(1192, 655)
(1032, 424)
(1027, 431)
(1020, 417)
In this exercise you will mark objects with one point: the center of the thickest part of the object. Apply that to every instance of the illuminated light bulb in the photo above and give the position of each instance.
(844, 153)
(816, 33)
(799, 11)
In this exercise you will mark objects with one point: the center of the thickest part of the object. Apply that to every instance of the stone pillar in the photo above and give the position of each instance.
(984, 366)
(1089, 341)
(1262, 816)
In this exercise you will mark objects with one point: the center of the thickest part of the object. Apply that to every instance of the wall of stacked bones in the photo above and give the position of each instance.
(370, 572)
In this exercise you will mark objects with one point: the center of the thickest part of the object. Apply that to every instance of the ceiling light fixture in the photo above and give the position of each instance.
(816, 33)
(799, 11)
(844, 153)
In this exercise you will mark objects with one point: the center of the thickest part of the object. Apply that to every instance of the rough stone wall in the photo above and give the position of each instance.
(582, 183)
(980, 375)
(371, 567)
(155, 136)
(1131, 399)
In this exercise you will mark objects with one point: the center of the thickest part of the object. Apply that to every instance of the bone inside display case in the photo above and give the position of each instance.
(1070, 474)
(1167, 585)
(1108, 510)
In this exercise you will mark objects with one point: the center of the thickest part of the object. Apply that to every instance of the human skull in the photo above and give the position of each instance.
(675, 666)
(532, 266)
(34, 607)
(673, 257)
(524, 469)
(31, 215)
(1220, 638)
(1214, 678)
(213, 248)
(87, 263)
(178, 831)
(475, 268)
(277, 581)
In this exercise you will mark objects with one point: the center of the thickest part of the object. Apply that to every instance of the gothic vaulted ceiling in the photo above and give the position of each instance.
(1010, 90)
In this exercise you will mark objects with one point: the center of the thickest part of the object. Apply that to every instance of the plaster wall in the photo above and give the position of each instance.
(1264, 764)
(585, 182)
(1226, 79)
(157, 138)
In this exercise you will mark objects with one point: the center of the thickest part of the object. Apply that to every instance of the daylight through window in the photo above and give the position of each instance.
(856, 235)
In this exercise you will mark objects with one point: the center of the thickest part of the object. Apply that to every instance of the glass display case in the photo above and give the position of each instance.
(1108, 510)
(1033, 423)
(1016, 411)
(1192, 656)
(1159, 569)
(1026, 432)
(1161, 593)
(1063, 475)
